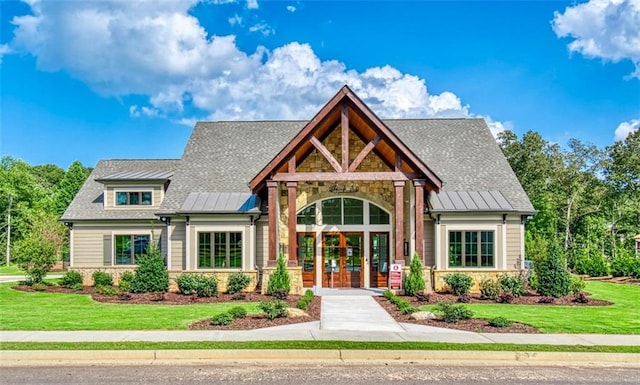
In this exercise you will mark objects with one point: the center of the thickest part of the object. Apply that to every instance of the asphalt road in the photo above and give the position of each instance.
(282, 374)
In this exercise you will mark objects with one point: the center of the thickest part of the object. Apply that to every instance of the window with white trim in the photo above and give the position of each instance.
(134, 198)
(342, 211)
(471, 248)
(220, 250)
(128, 247)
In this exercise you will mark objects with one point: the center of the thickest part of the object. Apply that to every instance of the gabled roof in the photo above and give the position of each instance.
(349, 112)
(88, 204)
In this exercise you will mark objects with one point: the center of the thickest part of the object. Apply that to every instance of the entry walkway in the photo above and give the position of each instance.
(357, 313)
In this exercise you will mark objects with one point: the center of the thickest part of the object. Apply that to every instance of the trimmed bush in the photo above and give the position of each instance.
(101, 278)
(280, 279)
(237, 312)
(453, 313)
(500, 322)
(406, 308)
(125, 281)
(199, 284)
(513, 284)
(302, 304)
(274, 309)
(459, 283)
(553, 277)
(490, 289)
(238, 281)
(152, 274)
(221, 319)
(308, 293)
(71, 279)
(39, 286)
(577, 284)
(388, 294)
(77, 287)
(625, 264)
(106, 290)
(413, 283)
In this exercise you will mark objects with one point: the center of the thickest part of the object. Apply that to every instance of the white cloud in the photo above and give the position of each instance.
(252, 4)
(4, 49)
(263, 28)
(606, 29)
(159, 50)
(291, 8)
(625, 128)
(236, 19)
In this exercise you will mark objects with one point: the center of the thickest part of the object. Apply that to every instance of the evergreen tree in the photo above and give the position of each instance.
(70, 185)
(413, 283)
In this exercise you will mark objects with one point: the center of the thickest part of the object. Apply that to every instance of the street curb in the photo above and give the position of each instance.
(11, 358)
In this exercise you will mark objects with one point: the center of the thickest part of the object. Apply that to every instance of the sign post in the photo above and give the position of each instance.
(395, 276)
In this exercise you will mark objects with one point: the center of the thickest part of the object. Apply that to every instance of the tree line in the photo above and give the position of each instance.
(32, 199)
(587, 198)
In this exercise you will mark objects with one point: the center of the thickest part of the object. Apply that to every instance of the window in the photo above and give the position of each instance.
(476, 251)
(226, 251)
(379, 252)
(353, 211)
(307, 216)
(133, 198)
(332, 211)
(129, 247)
(377, 216)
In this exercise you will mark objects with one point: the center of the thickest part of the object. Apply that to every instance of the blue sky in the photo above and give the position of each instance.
(124, 79)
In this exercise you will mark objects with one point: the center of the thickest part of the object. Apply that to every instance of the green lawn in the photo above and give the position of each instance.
(55, 311)
(623, 317)
(11, 269)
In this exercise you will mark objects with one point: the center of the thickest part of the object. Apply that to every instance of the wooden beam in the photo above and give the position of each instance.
(272, 186)
(345, 137)
(292, 164)
(327, 155)
(339, 177)
(399, 223)
(398, 162)
(418, 185)
(291, 202)
(363, 154)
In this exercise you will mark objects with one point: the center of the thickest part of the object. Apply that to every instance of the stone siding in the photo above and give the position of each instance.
(295, 274)
(477, 275)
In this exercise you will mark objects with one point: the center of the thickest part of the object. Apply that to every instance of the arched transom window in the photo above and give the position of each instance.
(343, 211)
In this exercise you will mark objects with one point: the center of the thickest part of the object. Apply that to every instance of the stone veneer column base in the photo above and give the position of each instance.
(295, 274)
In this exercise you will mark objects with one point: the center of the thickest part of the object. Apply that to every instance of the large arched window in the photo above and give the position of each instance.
(343, 211)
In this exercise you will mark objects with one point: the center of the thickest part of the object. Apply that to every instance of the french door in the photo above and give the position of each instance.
(342, 257)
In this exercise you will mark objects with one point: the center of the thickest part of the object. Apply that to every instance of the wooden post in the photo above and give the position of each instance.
(419, 217)
(273, 222)
(345, 138)
(291, 202)
(399, 209)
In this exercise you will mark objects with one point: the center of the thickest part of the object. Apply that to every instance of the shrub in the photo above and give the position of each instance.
(388, 294)
(221, 319)
(591, 263)
(237, 312)
(280, 279)
(302, 304)
(274, 309)
(513, 284)
(413, 283)
(35, 255)
(309, 294)
(553, 277)
(625, 264)
(406, 308)
(546, 299)
(151, 274)
(464, 298)
(577, 284)
(280, 294)
(77, 287)
(459, 283)
(238, 281)
(489, 289)
(39, 286)
(106, 290)
(581, 297)
(71, 279)
(199, 284)
(500, 322)
(505, 297)
(101, 278)
(453, 313)
(125, 281)
(533, 280)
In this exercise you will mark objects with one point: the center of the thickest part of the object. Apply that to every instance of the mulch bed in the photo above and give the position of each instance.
(254, 321)
(475, 324)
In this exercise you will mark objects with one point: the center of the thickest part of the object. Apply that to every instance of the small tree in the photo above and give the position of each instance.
(413, 283)
(35, 255)
(279, 280)
(152, 274)
(553, 277)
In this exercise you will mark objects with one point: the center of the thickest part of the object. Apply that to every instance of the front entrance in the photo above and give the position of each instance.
(342, 259)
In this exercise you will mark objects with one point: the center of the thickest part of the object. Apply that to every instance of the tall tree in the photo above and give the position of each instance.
(70, 185)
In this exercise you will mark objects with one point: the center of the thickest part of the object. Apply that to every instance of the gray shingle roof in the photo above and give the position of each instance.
(225, 156)
(88, 204)
(131, 175)
(220, 203)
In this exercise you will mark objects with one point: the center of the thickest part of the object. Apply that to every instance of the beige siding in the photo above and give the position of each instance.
(513, 245)
(262, 243)
(93, 243)
(199, 225)
(429, 245)
(177, 245)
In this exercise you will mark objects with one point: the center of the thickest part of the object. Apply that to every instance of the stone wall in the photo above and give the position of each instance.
(477, 275)
(426, 276)
(295, 274)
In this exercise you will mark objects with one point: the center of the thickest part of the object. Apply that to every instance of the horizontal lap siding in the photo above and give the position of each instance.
(262, 243)
(513, 245)
(429, 245)
(177, 246)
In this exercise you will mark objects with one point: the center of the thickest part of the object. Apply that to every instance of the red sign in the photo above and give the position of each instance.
(395, 276)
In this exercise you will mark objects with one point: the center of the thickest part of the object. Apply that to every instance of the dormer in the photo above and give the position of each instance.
(135, 189)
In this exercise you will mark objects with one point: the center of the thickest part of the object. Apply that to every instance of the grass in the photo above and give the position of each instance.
(623, 317)
(342, 345)
(11, 269)
(57, 311)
